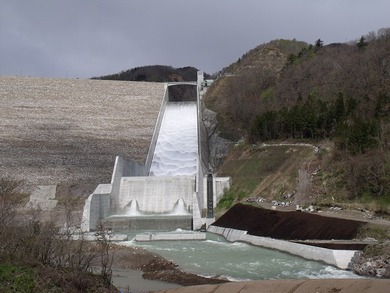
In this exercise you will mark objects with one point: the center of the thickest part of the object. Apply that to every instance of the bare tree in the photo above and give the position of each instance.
(10, 200)
(104, 242)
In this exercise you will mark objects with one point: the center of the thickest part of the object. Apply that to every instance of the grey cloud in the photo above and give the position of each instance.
(95, 37)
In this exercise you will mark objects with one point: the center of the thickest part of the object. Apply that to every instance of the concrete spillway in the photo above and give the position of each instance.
(168, 191)
(177, 144)
(163, 199)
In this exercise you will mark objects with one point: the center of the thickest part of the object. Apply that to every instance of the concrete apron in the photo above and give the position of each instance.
(338, 258)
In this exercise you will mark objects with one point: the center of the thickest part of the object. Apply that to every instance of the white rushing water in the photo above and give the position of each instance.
(240, 261)
(177, 143)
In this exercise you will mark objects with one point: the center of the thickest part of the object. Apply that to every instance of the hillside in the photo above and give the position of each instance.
(335, 96)
(161, 73)
(230, 96)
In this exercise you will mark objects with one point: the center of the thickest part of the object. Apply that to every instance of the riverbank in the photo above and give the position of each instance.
(296, 286)
(312, 229)
(133, 267)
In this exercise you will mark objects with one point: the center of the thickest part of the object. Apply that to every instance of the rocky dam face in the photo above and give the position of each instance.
(69, 131)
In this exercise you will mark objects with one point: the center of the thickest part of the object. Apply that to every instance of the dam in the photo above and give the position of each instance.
(173, 188)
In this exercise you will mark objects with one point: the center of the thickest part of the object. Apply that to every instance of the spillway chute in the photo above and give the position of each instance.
(177, 144)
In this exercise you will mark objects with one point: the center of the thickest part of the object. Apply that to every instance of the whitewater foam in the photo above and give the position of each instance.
(176, 148)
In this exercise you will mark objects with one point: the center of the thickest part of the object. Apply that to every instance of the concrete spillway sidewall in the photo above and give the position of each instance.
(337, 258)
(96, 207)
(157, 128)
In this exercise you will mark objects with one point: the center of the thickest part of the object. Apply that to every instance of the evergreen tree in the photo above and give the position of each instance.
(319, 43)
(362, 43)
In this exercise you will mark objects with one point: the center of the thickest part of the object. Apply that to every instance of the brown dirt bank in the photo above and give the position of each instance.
(155, 267)
(294, 225)
(296, 286)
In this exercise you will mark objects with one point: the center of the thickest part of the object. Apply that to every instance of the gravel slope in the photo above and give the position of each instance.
(69, 131)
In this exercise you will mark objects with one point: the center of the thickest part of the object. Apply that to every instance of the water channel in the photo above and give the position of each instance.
(239, 261)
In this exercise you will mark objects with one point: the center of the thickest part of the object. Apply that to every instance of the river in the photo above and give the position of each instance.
(239, 261)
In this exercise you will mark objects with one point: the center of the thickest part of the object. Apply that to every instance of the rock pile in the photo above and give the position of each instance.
(377, 267)
(374, 262)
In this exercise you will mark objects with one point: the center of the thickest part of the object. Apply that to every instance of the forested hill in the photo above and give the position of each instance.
(288, 90)
(155, 73)
(313, 93)
(161, 73)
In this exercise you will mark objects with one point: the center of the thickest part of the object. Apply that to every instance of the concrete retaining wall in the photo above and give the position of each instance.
(156, 132)
(122, 168)
(117, 174)
(196, 212)
(220, 184)
(96, 207)
(337, 258)
(170, 236)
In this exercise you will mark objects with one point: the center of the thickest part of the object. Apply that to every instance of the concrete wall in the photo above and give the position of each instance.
(152, 222)
(338, 258)
(200, 194)
(132, 168)
(96, 207)
(155, 194)
(156, 132)
(203, 145)
(220, 184)
(170, 236)
(117, 174)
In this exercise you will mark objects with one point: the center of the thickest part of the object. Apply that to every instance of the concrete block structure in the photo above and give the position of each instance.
(170, 190)
(43, 197)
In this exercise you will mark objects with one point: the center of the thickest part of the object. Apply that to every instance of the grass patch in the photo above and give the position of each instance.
(375, 231)
(17, 279)
(231, 197)
(380, 249)
(248, 166)
(380, 206)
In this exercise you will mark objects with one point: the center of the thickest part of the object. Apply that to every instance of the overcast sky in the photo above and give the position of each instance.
(85, 38)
